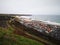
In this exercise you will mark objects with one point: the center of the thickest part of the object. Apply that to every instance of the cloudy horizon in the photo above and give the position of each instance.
(37, 7)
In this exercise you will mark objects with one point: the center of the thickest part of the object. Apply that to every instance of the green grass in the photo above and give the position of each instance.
(8, 38)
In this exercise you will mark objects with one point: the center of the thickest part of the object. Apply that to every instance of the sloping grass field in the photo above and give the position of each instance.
(8, 38)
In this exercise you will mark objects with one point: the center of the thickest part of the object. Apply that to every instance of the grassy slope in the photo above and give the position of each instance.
(8, 38)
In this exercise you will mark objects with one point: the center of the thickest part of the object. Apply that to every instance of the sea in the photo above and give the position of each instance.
(52, 18)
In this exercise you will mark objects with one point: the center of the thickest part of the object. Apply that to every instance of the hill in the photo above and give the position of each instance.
(7, 37)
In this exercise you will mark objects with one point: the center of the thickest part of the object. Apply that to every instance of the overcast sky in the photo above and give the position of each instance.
(41, 7)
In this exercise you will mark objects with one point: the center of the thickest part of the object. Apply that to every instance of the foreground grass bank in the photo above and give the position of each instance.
(8, 38)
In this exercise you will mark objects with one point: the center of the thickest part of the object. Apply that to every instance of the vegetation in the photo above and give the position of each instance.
(8, 38)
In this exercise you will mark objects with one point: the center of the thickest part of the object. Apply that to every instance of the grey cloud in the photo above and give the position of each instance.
(30, 6)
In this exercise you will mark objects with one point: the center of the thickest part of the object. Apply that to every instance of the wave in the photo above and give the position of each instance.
(53, 23)
(47, 22)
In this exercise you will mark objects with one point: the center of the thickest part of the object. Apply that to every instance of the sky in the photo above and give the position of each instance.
(35, 7)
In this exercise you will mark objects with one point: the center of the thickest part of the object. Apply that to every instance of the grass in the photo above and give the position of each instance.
(8, 38)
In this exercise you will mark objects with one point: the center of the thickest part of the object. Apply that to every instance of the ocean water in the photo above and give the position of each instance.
(52, 18)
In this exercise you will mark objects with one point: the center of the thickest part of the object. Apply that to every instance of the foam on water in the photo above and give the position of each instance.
(53, 23)
(47, 22)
